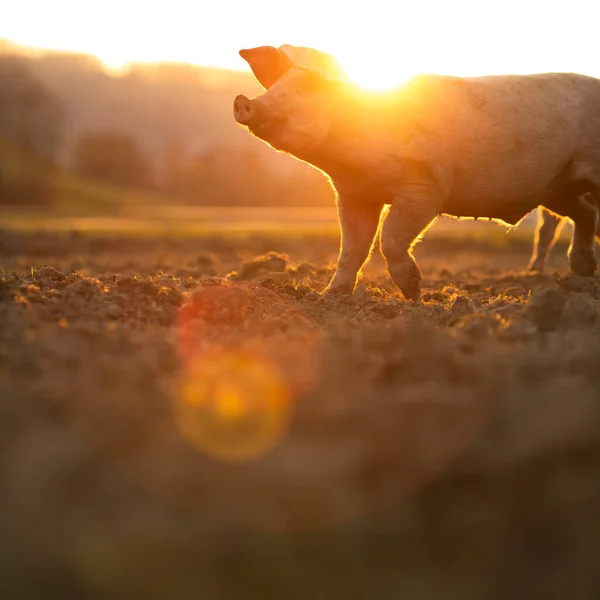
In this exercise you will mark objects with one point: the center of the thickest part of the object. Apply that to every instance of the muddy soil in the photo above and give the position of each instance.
(188, 418)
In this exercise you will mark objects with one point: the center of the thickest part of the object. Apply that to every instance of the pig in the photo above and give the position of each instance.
(546, 234)
(492, 147)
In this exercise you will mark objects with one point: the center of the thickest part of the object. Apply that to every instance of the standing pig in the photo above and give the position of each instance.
(492, 147)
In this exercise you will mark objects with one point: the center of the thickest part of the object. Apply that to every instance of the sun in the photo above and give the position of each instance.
(371, 74)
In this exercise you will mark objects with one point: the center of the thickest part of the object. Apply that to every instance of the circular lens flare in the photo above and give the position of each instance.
(233, 406)
(248, 355)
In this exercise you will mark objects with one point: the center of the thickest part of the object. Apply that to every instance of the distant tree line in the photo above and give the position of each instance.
(111, 157)
(183, 166)
(31, 125)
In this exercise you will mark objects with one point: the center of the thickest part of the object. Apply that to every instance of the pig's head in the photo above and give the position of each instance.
(304, 91)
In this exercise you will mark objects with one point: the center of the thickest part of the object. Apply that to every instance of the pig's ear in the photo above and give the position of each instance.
(315, 61)
(267, 63)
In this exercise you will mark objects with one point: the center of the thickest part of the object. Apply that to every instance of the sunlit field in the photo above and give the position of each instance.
(183, 414)
(172, 401)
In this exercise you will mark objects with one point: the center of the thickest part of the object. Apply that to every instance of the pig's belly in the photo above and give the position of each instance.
(508, 209)
(507, 194)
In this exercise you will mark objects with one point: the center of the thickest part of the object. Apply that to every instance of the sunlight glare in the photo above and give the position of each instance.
(373, 75)
(380, 44)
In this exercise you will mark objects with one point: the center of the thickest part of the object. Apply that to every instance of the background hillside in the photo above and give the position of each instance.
(153, 142)
(165, 129)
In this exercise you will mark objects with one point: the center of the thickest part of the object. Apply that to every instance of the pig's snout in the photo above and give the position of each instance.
(243, 110)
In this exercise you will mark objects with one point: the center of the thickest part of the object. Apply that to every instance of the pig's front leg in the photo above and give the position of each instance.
(410, 215)
(359, 219)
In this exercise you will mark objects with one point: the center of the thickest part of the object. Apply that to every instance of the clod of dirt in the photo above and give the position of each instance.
(271, 262)
(208, 281)
(389, 310)
(479, 325)
(362, 295)
(304, 269)
(84, 288)
(517, 330)
(546, 307)
(269, 283)
(135, 285)
(169, 295)
(48, 274)
(205, 259)
(514, 291)
(4, 289)
(461, 306)
(472, 287)
(574, 283)
(195, 271)
(225, 305)
(298, 292)
(311, 296)
(434, 297)
(581, 309)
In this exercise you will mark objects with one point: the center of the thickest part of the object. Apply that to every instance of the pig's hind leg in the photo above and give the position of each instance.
(359, 220)
(584, 213)
(546, 234)
(406, 221)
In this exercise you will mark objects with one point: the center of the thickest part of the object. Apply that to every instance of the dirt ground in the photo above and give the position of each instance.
(187, 418)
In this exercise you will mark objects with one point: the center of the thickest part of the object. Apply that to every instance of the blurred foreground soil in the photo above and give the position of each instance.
(443, 450)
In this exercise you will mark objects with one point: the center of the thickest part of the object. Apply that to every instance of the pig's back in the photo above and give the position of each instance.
(506, 136)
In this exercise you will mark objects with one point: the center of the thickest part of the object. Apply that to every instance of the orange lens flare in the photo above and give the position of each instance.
(233, 406)
(249, 354)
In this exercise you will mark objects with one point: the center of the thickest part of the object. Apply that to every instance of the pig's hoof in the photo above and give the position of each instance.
(408, 278)
(583, 263)
(412, 291)
(536, 266)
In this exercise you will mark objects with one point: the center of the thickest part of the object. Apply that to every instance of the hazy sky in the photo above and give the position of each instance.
(378, 42)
